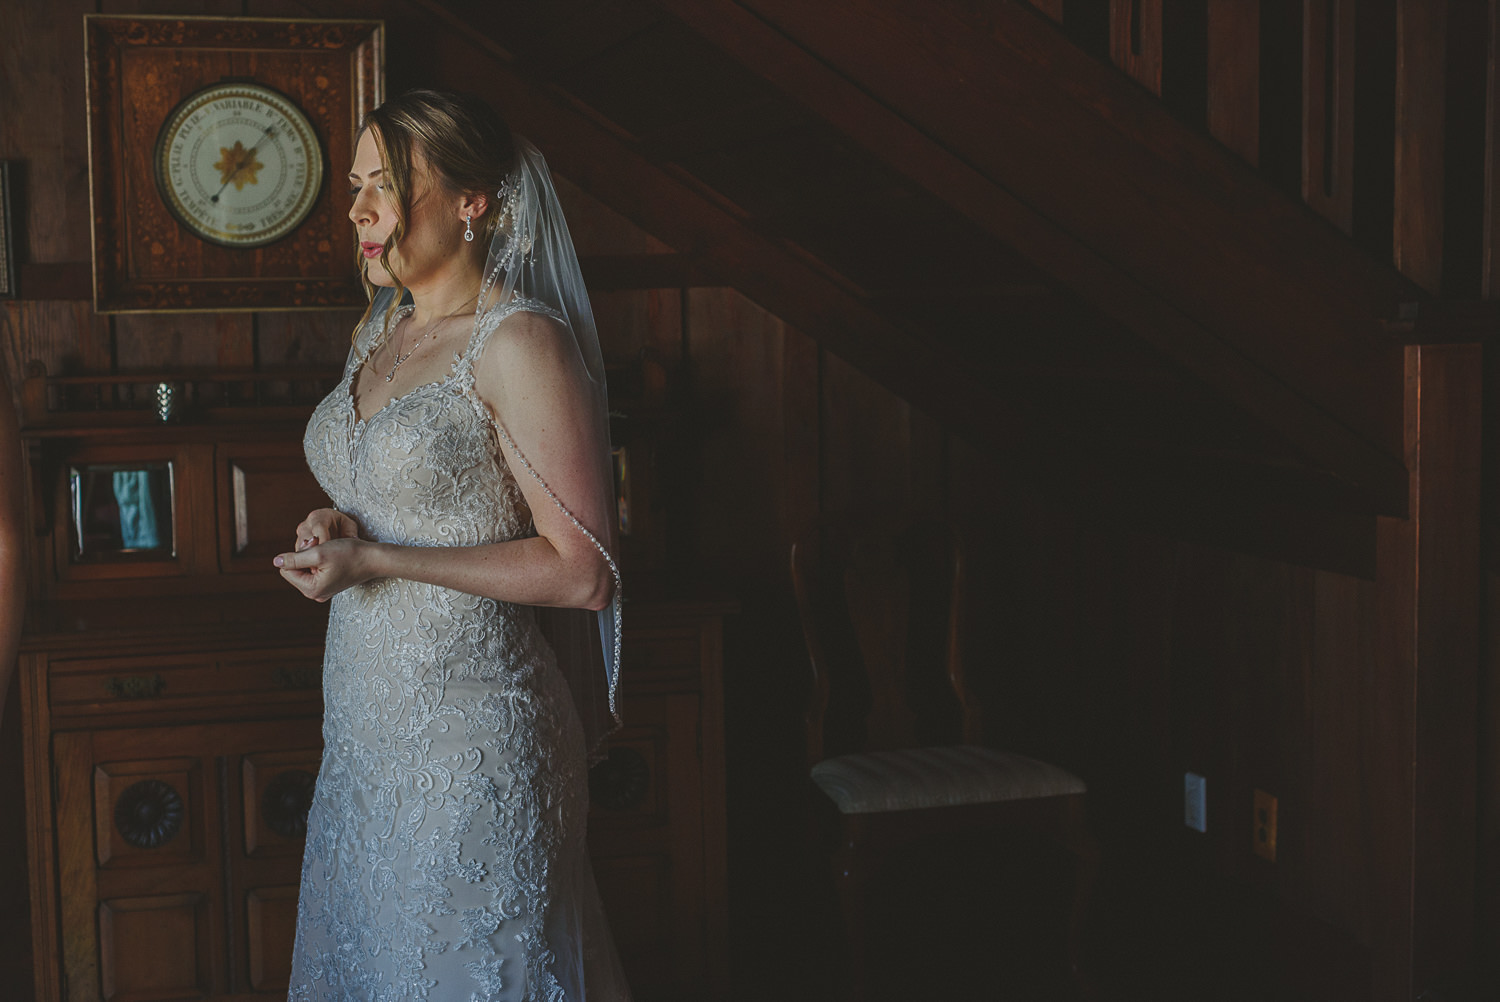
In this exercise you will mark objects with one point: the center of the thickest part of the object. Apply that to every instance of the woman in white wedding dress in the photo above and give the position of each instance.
(466, 454)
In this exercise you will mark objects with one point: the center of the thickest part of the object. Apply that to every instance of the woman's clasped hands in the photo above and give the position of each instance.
(329, 556)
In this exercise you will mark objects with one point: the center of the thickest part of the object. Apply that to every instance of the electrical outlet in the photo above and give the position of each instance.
(1265, 825)
(1195, 802)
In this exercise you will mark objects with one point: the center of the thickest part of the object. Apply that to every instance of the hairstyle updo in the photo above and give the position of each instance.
(463, 142)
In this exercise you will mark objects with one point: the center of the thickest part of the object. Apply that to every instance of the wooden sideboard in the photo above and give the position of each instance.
(171, 705)
(170, 752)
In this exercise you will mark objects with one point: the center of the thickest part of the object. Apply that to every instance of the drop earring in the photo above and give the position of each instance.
(468, 230)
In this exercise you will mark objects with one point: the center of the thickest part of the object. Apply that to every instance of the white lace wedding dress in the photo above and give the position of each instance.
(445, 851)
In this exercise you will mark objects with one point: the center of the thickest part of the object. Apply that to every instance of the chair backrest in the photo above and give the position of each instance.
(882, 607)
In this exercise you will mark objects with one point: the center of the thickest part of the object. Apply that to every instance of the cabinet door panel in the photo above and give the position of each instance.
(154, 947)
(148, 813)
(265, 489)
(270, 926)
(157, 846)
(277, 794)
(648, 853)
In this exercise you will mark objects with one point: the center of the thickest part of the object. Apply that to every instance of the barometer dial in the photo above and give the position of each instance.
(238, 164)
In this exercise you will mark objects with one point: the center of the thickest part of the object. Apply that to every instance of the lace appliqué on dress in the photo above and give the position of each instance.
(445, 845)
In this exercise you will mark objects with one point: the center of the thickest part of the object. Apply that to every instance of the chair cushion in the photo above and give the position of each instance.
(915, 778)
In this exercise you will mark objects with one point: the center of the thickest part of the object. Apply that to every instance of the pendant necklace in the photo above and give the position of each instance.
(400, 358)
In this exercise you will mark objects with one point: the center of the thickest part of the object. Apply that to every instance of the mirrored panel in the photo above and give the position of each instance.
(122, 511)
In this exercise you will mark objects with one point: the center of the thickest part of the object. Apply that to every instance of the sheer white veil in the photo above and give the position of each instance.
(532, 265)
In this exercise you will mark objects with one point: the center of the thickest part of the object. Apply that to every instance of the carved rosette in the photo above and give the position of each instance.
(149, 814)
(619, 783)
(287, 800)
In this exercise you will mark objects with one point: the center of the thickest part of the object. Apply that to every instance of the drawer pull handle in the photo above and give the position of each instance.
(137, 686)
(298, 678)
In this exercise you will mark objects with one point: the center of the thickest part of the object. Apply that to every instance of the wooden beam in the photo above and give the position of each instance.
(1134, 228)
(1421, 55)
(1234, 75)
(1328, 67)
(1422, 721)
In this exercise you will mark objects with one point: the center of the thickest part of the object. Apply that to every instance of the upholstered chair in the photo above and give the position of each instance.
(883, 611)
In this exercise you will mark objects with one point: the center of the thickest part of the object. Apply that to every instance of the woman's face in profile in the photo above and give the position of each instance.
(433, 234)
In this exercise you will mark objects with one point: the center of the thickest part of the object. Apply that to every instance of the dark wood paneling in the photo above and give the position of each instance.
(1234, 75)
(65, 337)
(1328, 78)
(1073, 95)
(41, 66)
(1135, 38)
(1421, 52)
(1490, 276)
(287, 340)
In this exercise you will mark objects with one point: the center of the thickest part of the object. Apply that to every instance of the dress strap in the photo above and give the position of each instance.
(490, 321)
(371, 336)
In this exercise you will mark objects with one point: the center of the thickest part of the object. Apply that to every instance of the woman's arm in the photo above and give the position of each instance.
(535, 384)
(12, 577)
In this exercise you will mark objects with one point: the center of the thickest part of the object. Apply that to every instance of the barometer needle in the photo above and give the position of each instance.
(268, 131)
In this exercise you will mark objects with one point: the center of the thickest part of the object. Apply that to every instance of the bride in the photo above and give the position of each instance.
(466, 452)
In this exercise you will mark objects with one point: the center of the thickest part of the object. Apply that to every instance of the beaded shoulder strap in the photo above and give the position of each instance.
(485, 327)
(614, 569)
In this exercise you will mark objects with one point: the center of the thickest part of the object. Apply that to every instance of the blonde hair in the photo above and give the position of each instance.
(465, 145)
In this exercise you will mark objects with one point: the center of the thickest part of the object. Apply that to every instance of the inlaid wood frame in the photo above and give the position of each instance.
(138, 69)
(191, 512)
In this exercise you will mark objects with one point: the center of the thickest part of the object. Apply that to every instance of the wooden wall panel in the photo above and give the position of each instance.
(63, 336)
(41, 80)
(1233, 67)
(1421, 51)
(877, 450)
(191, 340)
(1328, 79)
(304, 340)
(1135, 37)
(737, 353)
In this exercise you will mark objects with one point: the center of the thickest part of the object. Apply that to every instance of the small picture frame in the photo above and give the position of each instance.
(7, 232)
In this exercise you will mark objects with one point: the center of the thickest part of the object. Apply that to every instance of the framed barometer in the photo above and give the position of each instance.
(238, 164)
(211, 141)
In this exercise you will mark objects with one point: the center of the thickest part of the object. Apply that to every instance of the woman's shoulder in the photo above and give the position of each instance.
(524, 350)
(523, 332)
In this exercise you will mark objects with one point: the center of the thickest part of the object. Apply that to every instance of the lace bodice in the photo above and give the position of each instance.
(427, 468)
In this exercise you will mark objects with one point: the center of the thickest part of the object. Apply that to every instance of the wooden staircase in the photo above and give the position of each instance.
(1185, 260)
(1075, 279)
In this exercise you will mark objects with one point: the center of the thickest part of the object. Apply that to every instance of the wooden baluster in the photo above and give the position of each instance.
(1233, 28)
(1135, 40)
(1328, 67)
(1421, 54)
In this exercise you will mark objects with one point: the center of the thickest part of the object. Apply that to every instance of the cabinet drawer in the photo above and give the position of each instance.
(110, 684)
